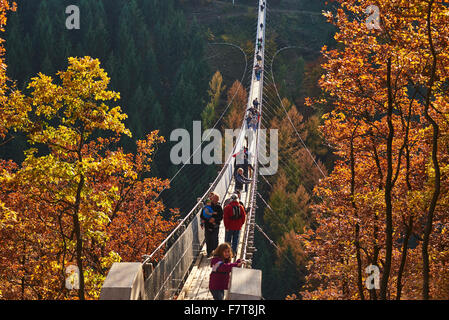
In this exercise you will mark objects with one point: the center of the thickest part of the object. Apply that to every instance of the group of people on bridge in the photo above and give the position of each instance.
(233, 215)
(258, 67)
(213, 212)
(253, 116)
(233, 212)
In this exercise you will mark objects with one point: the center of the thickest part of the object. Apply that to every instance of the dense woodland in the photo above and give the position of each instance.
(154, 57)
(365, 184)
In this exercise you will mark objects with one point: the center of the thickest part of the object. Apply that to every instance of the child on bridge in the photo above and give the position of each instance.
(221, 268)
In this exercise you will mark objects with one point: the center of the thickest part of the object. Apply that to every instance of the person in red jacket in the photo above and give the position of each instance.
(234, 218)
(221, 268)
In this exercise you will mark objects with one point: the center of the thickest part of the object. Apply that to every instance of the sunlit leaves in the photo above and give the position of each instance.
(75, 189)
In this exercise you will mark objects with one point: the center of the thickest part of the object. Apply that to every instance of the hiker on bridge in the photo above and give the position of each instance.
(259, 58)
(242, 161)
(254, 123)
(234, 218)
(253, 117)
(248, 170)
(248, 120)
(252, 113)
(240, 180)
(221, 268)
(256, 103)
(259, 44)
(258, 71)
(211, 222)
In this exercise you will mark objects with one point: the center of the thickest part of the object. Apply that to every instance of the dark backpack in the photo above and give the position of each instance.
(236, 213)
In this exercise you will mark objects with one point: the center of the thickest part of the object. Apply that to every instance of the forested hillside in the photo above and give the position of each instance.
(153, 55)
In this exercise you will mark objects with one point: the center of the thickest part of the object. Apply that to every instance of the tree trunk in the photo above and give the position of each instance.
(79, 240)
(388, 191)
(436, 191)
(403, 258)
(357, 227)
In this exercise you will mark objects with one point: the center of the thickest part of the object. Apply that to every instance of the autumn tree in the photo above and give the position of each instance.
(288, 206)
(9, 117)
(383, 203)
(289, 197)
(216, 88)
(237, 98)
(79, 199)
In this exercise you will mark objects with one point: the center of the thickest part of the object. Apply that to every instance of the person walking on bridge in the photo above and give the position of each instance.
(253, 111)
(258, 71)
(256, 103)
(243, 162)
(240, 180)
(212, 225)
(253, 116)
(221, 268)
(254, 122)
(234, 218)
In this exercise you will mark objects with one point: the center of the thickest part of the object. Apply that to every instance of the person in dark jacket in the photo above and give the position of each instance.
(253, 111)
(259, 45)
(258, 71)
(255, 104)
(221, 268)
(212, 225)
(234, 218)
(249, 117)
(246, 166)
(240, 180)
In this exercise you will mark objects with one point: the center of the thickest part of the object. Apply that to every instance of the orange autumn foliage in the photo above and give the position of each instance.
(386, 201)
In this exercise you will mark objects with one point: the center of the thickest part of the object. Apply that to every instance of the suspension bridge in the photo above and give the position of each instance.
(179, 268)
